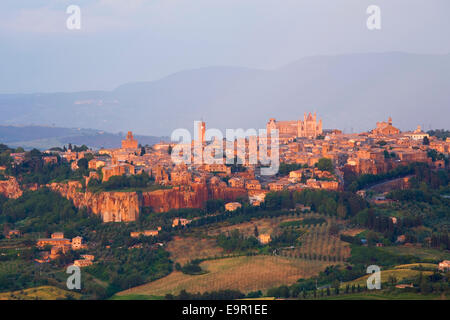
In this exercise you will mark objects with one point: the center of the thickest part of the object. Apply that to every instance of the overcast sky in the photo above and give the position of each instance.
(135, 40)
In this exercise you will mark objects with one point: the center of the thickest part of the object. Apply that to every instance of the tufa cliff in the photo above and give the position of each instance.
(10, 188)
(112, 206)
(125, 206)
(193, 196)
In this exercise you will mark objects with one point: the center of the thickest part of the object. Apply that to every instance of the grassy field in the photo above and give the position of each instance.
(266, 225)
(399, 274)
(417, 265)
(318, 242)
(136, 297)
(385, 295)
(423, 253)
(239, 273)
(40, 293)
(184, 249)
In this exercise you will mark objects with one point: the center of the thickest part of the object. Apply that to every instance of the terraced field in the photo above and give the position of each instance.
(239, 273)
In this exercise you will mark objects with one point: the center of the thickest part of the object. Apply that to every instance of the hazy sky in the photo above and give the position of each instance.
(136, 40)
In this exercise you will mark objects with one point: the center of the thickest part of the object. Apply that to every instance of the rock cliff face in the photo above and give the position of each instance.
(125, 206)
(10, 188)
(111, 206)
(175, 198)
(194, 197)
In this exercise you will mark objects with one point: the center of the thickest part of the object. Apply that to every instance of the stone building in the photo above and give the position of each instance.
(129, 142)
(308, 128)
(232, 206)
(385, 128)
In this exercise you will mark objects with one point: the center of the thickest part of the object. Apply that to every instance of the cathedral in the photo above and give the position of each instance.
(308, 128)
(385, 128)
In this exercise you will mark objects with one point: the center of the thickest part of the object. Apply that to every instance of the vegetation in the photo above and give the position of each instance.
(214, 295)
(439, 133)
(237, 242)
(141, 181)
(325, 164)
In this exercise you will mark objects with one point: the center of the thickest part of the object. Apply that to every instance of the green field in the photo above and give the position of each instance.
(399, 274)
(40, 293)
(423, 253)
(136, 297)
(385, 295)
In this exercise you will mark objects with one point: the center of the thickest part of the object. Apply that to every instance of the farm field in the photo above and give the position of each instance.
(316, 241)
(39, 293)
(318, 244)
(417, 265)
(245, 273)
(399, 274)
(385, 295)
(265, 225)
(423, 253)
(184, 249)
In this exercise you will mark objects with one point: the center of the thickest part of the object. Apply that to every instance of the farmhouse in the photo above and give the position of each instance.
(444, 265)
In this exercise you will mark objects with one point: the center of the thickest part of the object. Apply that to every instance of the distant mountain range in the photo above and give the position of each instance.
(43, 138)
(350, 92)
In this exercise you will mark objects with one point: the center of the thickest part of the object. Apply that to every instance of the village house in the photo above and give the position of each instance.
(236, 182)
(146, 233)
(88, 257)
(276, 186)
(232, 206)
(56, 239)
(13, 233)
(82, 263)
(264, 238)
(417, 134)
(180, 222)
(117, 169)
(444, 265)
(295, 176)
(77, 243)
(252, 185)
(94, 164)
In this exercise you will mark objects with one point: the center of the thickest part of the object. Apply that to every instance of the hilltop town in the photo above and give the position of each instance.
(340, 190)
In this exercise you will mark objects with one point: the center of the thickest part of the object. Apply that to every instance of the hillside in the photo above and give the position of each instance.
(44, 137)
(379, 85)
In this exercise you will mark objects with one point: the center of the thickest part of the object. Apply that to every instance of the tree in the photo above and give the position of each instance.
(392, 280)
(325, 164)
(426, 141)
(256, 232)
(334, 229)
(83, 163)
(341, 211)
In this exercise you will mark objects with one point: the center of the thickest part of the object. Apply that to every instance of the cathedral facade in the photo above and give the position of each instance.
(309, 127)
(385, 128)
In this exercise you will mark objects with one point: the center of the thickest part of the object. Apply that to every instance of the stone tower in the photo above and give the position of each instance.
(129, 142)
